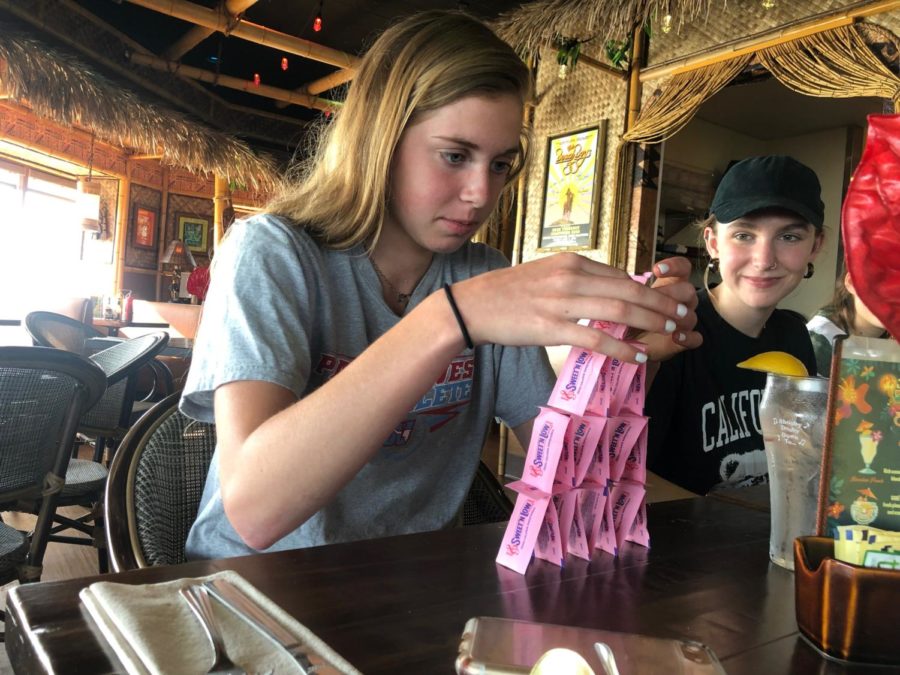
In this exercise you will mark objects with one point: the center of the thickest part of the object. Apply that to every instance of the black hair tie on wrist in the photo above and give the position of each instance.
(459, 319)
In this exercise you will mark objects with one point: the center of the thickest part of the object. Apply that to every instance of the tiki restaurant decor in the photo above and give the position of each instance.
(55, 85)
(572, 189)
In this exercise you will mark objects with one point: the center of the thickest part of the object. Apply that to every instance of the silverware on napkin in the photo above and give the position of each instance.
(249, 610)
(197, 599)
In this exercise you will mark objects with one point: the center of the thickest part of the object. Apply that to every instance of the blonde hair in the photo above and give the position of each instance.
(422, 63)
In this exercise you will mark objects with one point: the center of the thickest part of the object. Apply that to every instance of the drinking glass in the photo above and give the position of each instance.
(792, 415)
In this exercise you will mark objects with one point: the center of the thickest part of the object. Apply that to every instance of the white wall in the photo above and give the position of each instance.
(709, 147)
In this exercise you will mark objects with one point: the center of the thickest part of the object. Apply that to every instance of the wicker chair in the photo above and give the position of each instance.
(43, 393)
(157, 478)
(154, 487)
(486, 502)
(111, 418)
(49, 329)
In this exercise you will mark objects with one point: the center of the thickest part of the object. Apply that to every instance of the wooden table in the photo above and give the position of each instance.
(112, 326)
(399, 605)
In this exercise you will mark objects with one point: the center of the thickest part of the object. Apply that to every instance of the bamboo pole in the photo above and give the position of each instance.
(330, 81)
(197, 34)
(219, 200)
(634, 82)
(163, 230)
(265, 90)
(799, 29)
(210, 18)
(121, 229)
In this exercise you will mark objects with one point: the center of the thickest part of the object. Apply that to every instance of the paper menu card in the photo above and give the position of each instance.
(860, 482)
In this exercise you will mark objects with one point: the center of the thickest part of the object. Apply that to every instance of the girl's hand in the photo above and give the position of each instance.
(672, 278)
(540, 303)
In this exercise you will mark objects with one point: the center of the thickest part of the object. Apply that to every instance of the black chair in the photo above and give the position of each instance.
(486, 502)
(43, 393)
(154, 487)
(49, 329)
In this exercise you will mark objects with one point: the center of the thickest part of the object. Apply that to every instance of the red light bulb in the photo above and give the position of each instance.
(317, 24)
(256, 79)
(284, 63)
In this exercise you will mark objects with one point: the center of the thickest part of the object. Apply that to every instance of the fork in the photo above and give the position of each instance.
(198, 600)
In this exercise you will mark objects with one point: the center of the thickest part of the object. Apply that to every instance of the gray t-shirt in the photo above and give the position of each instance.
(283, 309)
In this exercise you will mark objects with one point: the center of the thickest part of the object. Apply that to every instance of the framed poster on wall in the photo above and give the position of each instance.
(573, 175)
(193, 231)
(144, 227)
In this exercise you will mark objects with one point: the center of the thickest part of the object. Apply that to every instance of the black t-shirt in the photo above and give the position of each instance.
(704, 411)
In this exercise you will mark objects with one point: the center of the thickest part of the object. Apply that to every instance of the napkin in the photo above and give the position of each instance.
(152, 630)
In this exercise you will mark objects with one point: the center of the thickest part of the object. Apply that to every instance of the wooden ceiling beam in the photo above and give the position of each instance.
(197, 34)
(215, 20)
(248, 86)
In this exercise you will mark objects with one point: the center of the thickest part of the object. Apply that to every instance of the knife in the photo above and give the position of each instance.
(250, 611)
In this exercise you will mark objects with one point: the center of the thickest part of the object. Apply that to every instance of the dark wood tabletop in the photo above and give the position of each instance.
(398, 605)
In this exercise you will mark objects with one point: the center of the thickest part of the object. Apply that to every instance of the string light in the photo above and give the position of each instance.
(256, 79)
(284, 63)
(667, 23)
(317, 22)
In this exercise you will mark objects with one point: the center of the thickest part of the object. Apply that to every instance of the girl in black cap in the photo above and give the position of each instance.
(764, 230)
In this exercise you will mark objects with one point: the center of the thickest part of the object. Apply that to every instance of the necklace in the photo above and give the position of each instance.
(402, 298)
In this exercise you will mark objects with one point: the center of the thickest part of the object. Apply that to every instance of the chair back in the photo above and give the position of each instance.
(485, 502)
(121, 362)
(43, 393)
(154, 487)
(49, 329)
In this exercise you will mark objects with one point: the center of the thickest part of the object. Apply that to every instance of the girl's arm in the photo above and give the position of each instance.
(282, 460)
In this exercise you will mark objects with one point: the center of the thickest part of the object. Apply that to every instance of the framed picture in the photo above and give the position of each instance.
(144, 226)
(860, 482)
(570, 210)
(193, 231)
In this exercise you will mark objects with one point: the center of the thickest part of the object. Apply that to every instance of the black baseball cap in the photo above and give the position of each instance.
(765, 182)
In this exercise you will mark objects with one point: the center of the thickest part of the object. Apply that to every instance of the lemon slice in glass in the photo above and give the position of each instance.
(780, 363)
(561, 661)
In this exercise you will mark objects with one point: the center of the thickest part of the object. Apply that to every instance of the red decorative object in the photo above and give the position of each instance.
(871, 222)
(198, 282)
(256, 79)
(317, 24)
(284, 63)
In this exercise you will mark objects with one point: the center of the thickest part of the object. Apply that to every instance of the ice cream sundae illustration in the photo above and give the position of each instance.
(868, 445)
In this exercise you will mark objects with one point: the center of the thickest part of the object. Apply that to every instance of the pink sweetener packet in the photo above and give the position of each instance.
(565, 469)
(583, 437)
(636, 462)
(626, 498)
(639, 533)
(633, 403)
(618, 380)
(521, 534)
(592, 502)
(616, 330)
(545, 449)
(549, 541)
(606, 530)
(620, 434)
(598, 403)
(576, 536)
(598, 467)
(576, 381)
(559, 502)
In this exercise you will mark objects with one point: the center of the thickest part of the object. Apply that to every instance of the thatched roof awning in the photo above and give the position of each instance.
(539, 23)
(57, 86)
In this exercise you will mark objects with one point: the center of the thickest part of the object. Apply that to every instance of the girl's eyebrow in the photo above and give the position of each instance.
(753, 225)
(472, 146)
